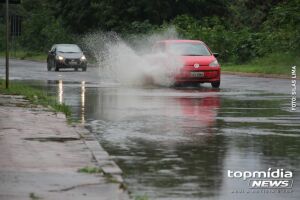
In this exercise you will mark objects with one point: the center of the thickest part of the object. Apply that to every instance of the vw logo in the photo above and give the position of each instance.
(196, 65)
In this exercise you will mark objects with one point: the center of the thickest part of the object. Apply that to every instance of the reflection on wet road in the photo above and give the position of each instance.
(179, 143)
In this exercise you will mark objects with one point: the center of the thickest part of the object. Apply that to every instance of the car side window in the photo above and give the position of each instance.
(53, 48)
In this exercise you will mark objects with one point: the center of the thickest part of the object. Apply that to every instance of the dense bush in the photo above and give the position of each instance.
(42, 28)
(233, 45)
(42, 32)
(279, 32)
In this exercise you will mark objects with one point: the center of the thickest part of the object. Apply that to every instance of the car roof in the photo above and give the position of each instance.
(180, 41)
(66, 45)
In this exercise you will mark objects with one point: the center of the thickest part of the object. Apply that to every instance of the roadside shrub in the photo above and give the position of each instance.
(281, 30)
(41, 31)
(279, 33)
(235, 46)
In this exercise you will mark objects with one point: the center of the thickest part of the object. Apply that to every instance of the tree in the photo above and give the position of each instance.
(41, 28)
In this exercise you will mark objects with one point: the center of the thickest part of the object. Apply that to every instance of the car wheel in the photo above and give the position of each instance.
(76, 69)
(84, 69)
(178, 85)
(194, 85)
(215, 84)
(48, 66)
(56, 67)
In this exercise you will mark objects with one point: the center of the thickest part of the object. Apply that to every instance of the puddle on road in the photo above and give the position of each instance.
(179, 143)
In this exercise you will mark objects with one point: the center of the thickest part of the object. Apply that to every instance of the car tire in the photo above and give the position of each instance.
(48, 67)
(56, 67)
(84, 69)
(195, 85)
(76, 69)
(216, 84)
(178, 85)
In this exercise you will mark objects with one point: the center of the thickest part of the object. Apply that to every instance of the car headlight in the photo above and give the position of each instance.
(83, 58)
(214, 64)
(59, 58)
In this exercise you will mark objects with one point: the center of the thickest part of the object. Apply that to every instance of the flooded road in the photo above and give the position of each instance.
(179, 143)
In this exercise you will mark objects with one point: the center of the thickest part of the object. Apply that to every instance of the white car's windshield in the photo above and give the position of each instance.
(188, 49)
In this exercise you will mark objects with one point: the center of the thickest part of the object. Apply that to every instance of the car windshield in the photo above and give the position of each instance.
(188, 49)
(68, 49)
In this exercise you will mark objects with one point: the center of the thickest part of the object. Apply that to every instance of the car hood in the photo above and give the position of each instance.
(201, 60)
(70, 55)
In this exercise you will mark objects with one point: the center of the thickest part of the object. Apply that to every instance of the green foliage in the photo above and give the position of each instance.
(41, 27)
(240, 30)
(90, 170)
(77, 16)
(248, 13)
(275, 63)
(232, 45)
(42, 32)
(250, 37)
(281, 30)
(144, 197)
(34, 196)
(26, 55)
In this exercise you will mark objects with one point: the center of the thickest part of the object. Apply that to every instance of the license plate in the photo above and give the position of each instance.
(73, 63)
(197, 74)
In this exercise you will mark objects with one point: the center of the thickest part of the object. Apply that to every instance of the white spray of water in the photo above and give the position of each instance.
(134, 64)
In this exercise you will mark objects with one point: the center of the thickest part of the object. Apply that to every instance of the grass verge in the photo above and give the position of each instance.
(35, 96)
(144, 197)
(23, 55)
(36, 56)
(97, 170)
(90, 170)
(33, 196)
(279, 64)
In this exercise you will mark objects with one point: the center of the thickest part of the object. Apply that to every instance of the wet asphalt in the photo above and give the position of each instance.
(179, 143)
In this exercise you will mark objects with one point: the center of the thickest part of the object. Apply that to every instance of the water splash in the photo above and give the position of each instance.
(132, 61)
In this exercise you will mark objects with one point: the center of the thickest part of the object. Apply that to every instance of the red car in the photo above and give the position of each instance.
(199, 64)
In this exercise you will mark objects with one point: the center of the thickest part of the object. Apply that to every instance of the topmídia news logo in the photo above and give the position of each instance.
(270, 179)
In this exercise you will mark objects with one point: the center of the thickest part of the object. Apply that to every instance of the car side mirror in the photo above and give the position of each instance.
(216, 55)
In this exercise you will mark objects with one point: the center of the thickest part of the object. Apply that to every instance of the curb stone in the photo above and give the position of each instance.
(102, 158)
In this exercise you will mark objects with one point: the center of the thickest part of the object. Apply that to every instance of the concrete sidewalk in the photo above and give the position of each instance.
(41, 153)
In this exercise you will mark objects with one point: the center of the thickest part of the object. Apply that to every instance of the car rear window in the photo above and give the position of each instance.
(188, 49)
